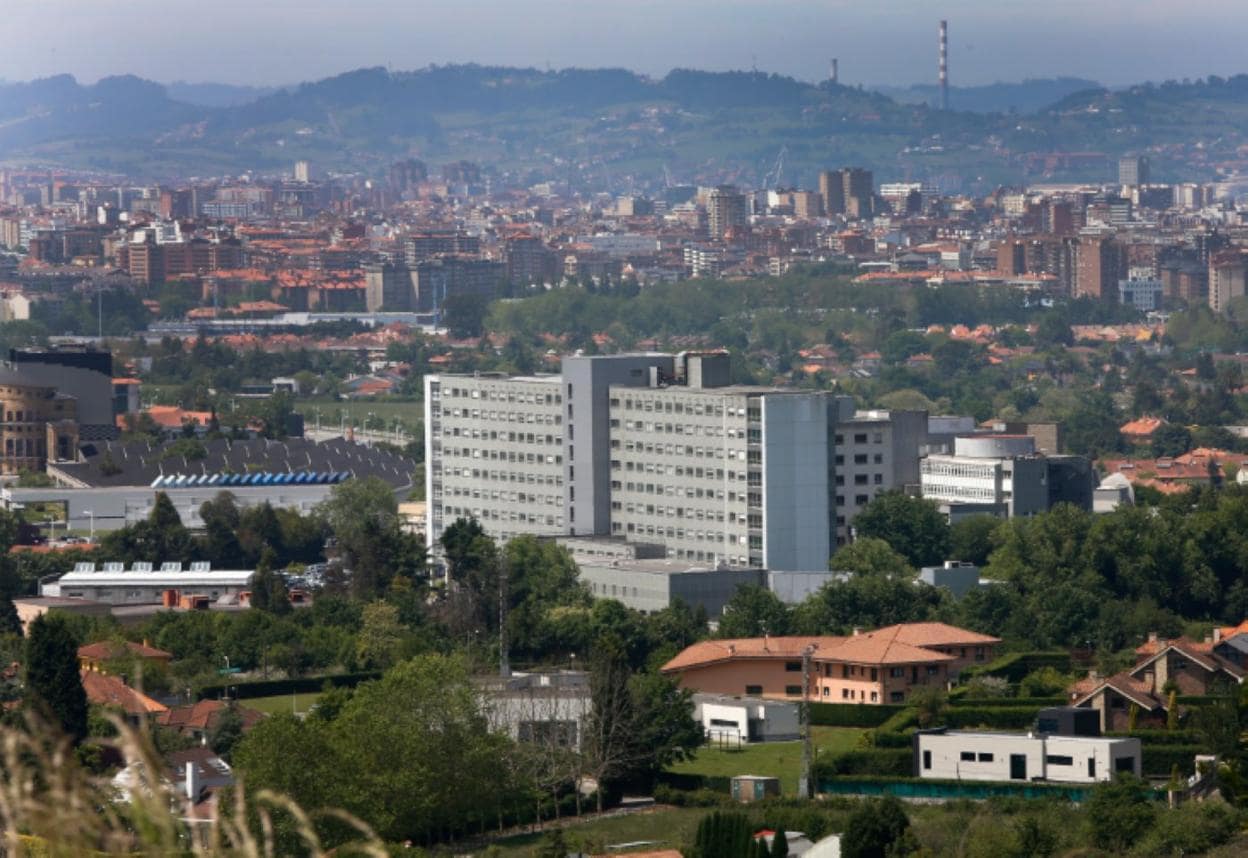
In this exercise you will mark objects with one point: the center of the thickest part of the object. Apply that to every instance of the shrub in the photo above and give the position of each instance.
(898, 762)
(994, 717)
(1014, 666)
(851, 714)
(1160, 760)
(987, 686)
(1045, 682)
(1190, 829)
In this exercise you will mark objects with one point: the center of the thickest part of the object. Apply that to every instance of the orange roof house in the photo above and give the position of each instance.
(201, 717)
(1140, 431)
(111, 692)
(881, 666)
(94, 656)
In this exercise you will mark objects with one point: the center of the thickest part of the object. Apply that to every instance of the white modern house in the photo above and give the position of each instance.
(737, 720)
(982, 756)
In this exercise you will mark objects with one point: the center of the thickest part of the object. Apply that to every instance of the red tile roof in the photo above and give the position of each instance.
(105, 690)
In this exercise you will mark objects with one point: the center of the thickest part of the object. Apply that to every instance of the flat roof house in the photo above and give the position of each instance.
(976, 756)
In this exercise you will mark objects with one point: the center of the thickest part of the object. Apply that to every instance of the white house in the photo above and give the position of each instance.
(737, 720)
(982, 756)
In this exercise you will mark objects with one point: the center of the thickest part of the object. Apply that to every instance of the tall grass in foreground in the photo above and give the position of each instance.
(51, 805)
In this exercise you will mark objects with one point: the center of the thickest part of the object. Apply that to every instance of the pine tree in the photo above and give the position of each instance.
(10, 623)
(52, 677)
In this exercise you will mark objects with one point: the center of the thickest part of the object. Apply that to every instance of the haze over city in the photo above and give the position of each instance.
(890, 42)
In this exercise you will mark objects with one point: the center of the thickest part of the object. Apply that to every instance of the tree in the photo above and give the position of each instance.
(869, 555)
(1119, 813)
(10, 622)
(723, 834)
(970, 538)
(930, 704)
(363, 516)
(52, 676)
(268, 587)
(914, 527)
(1170, 439)
(381, 637)
(226, 732)
(464, 315)
(752, 612)
(609, 743)
(875, 829)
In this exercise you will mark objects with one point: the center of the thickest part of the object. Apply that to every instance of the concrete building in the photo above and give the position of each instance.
(794, 587)
(1133, 170)
(1228, 279)
(1143, 293)
(389, 286)
(1003, 475)
(1099, 264)
(981, 756)
(84, 374)
(652, 585)
(495, 453)
(876, 451)
(549, 709)
(958, 578)
(725, 209)
(737, 720)
(832, 190)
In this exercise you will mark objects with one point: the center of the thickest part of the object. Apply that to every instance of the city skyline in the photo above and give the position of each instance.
(888, 44)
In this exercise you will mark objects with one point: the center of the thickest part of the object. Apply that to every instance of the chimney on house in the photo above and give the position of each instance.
(766, 642)
(1152, 637)
(857, 631)
(1217, 635)
(192, 781)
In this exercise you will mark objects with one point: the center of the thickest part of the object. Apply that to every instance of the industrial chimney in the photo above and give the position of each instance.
(832, 73)
(944, 65)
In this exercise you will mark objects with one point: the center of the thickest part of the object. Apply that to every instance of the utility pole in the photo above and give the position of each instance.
(804, 787)
(504, 666)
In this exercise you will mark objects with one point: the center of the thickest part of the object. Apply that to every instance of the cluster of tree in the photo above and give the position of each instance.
(420, 756)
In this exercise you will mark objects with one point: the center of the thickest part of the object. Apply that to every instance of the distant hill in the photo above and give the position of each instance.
(1027, 96)
(215, 94)
(615, 129)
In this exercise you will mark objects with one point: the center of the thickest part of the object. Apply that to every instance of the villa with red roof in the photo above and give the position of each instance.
(881, 666)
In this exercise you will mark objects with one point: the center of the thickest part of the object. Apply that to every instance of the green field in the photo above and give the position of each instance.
(775, 759)
(665, 828)
(282, 702)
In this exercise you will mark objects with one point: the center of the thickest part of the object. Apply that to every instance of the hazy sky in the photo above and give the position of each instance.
(877, 41)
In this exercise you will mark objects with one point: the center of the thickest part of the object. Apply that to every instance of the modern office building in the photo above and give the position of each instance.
(1003, 475)
(1133, 170)
(876, 451)
(650, 586)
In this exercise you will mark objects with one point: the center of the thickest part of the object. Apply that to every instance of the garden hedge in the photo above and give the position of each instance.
(274, 687)
(852, 714)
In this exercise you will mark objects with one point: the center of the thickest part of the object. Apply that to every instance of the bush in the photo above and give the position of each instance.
(1045, 682)
(1038, 702)
(898, 762)
(664, 794)
(987, 687)
(1163, 737)
(903, 720)
(882, 738)
(682, 782)
(1190, 829)
(1016, 665)
(852, 714)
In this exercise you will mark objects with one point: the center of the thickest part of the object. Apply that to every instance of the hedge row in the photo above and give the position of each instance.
(1163, 737)
(899, 721)
(852, 714)
(687, 782)
(1038, 702)
(1016, 665)
(898, 762)
(882, 738)
(1159, 760)
(995, 717)
(274, 687)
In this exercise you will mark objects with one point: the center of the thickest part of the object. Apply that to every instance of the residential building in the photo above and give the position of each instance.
(39, 423)
(84, 375)
(736, 720)
(1188, 667)
(443, 277)
(97, 656)
(550, 709)
(1003, 475)
(1228, 279)
(967, 755)
(1099, 264)
(530, 262)
(882, 666)
(859, 187)
(197, 720)
(390, 287)
(1143, 293)
(832, 190)
(725, 209)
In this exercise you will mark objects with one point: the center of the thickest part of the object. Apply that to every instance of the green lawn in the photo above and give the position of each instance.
(776, 759)
(665, 827)
(282, 702)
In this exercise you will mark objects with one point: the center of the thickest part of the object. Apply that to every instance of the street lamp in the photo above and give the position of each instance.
(91, 515)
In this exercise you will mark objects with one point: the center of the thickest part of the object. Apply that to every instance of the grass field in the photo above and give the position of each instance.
(774, 759)
(666, 828)
(282, 702)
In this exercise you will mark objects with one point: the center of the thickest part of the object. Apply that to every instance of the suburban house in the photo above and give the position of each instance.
(1185, 666)
(96, 656)
(199, 719)
(881, 666)
(540, 708)
(112, 693)
(737, 720)
(981, 756)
